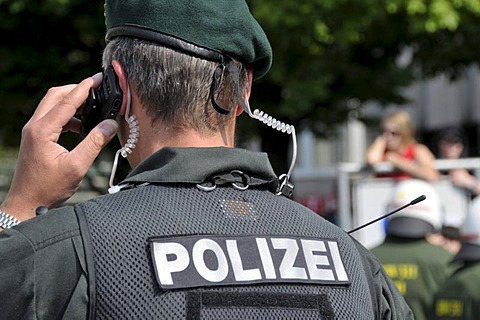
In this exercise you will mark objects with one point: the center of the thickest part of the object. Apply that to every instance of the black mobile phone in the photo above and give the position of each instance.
(102, 103)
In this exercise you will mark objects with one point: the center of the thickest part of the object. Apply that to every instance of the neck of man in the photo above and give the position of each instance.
(153, 139)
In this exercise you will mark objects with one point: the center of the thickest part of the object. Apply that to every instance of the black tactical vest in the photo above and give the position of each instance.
(176, 252)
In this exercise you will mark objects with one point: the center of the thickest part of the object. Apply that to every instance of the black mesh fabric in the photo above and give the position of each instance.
(126, 286)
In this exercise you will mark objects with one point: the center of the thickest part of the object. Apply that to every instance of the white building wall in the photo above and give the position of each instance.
(434, 104)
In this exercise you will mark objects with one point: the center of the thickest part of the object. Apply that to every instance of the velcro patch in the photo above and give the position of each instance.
(209, 260)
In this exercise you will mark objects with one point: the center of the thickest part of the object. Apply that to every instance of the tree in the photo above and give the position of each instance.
(332, 56)
(45, 43)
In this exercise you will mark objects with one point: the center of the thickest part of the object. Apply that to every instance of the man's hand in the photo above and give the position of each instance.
(47, 174)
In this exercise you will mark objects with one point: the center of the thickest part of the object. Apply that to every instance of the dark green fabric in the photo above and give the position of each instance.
(196, 165)
(459, 296)
(417, 267)
(41, 272)
(226, 26)
(42, 261)
(385, 293)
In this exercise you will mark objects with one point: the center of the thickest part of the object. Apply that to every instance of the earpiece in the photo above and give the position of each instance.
(129, 145)
(285, 188)
(132, 137)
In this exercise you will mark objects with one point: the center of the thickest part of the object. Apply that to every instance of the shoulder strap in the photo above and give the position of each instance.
(370, 280)
(85, 234)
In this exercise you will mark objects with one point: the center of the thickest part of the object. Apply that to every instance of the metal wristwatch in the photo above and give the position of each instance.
(7, 221)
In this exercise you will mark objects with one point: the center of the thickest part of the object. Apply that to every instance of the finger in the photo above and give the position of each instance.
(64, 110)
(86, 151)
(50, 99)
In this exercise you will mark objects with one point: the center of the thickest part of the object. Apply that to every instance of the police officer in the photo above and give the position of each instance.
(199, 229)
(416, 266)
(459, 297)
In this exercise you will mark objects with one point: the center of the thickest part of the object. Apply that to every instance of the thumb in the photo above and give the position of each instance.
(87, 150)
(108, 129)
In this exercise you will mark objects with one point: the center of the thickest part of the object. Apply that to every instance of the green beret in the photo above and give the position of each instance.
(208, 29)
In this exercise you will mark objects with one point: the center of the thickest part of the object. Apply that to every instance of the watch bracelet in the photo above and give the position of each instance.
(7, 221)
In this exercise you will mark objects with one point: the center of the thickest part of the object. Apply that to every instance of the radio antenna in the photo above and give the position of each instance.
(414, 201)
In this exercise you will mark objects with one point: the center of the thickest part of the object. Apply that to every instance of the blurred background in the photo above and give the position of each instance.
(338, 66)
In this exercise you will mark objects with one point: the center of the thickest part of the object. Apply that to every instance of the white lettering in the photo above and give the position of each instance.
(314, 260)
(165, 268)
(287, 270)
(198, 255)
(337, 261)
(215, 260)
(237, 265)
(266, 257)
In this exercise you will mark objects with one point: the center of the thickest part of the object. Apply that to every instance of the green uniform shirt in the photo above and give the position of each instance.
(42, 269)
(417, 268)
(459, 296)
(42, 261)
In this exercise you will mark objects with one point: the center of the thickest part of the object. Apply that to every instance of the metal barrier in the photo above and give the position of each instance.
(358, 192)
(353, 181)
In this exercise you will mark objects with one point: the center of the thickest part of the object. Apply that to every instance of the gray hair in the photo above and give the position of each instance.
(174, 87)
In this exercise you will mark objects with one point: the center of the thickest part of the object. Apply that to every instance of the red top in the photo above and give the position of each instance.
(407, 154)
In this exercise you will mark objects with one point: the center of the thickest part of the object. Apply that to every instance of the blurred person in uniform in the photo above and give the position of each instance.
(416, 266)
(398, 146)
(459, 296)
(199, 229)
(448, 237)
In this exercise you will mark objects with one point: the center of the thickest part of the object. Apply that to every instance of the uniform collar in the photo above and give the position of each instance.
(468, 252)
(196, 165)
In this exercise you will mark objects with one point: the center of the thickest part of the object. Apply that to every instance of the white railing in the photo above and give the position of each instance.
(355, 181)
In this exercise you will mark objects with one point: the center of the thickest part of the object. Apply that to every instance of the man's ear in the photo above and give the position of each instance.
(248, 90)
(122, 80)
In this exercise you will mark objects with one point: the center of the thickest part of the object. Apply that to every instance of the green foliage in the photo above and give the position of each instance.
(45, 43)
(434, 15)
(330, 56)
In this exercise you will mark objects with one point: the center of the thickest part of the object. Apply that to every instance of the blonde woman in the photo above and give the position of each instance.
(397, 145)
